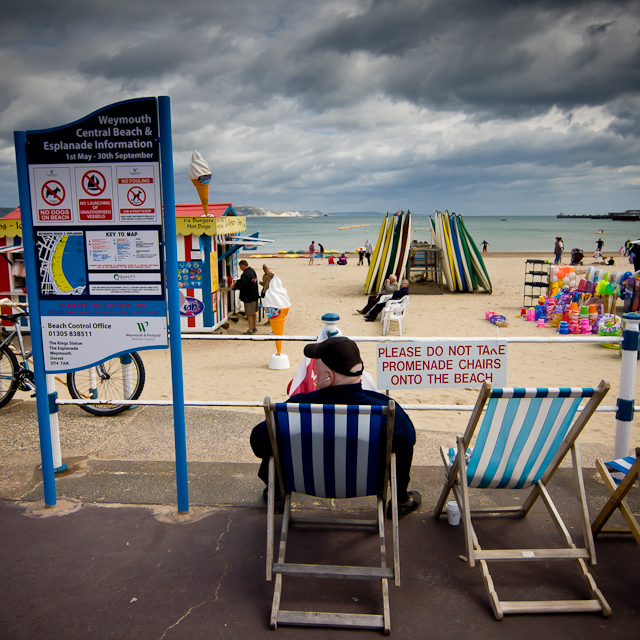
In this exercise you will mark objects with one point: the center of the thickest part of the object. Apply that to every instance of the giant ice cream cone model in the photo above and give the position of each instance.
(277, 325)
(276, 304)
(200, 175)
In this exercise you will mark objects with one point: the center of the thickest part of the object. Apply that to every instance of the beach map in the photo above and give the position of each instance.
(62, 263)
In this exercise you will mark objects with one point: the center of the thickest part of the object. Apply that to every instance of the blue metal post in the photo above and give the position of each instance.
(626, 401)
(171, 253)
(42, 398)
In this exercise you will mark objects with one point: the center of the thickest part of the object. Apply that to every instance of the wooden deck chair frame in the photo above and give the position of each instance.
(384, 572)
(617, 500)
(457, 482)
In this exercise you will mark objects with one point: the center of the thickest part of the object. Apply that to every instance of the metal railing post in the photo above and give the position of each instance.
(625, 403)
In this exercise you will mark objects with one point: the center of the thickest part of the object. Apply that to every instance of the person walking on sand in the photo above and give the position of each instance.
(484, 244)
(558, 249)
(312, 252)
(321, 250)
(600, 244)
(248, 287)
(368, 250)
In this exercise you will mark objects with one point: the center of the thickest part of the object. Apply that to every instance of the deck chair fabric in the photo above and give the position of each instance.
(522, 439)
(339, 452)
(618, 489)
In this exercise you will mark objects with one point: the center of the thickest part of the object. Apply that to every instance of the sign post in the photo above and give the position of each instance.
(92, 210)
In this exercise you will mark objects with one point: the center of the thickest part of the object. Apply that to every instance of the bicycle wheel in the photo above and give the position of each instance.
(120, 378)
(9, 368)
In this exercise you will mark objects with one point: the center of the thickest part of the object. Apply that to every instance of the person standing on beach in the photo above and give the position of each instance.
(248, 288)
(600, 244)
(484, 244)
(558, 249)
(321, 250)
(368, 250)
(312, 252)
(266, 278)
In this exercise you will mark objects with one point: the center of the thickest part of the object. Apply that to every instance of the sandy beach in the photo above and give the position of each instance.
(216, 370)
(234, 370)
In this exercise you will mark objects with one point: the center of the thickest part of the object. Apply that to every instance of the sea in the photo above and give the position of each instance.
(511, 234)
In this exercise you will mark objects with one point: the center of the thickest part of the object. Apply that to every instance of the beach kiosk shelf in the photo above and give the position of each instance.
(207, 264)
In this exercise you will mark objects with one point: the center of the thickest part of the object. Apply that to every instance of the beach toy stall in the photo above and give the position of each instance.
(207, 263)
(12, 275)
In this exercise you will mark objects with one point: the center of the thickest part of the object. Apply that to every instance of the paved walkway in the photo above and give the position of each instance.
(113, 559)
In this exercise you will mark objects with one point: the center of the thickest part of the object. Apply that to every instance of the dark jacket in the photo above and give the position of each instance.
(248, 285)
(404, 433)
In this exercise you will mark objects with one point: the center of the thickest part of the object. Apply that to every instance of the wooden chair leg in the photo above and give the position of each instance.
(465, 507)
(582, 499)
(270, 517)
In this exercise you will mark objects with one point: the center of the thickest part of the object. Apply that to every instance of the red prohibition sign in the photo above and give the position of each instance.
(136, 196)
(52, 192)
(93, 183)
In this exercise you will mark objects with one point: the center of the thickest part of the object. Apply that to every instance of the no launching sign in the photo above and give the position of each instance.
(441, 363)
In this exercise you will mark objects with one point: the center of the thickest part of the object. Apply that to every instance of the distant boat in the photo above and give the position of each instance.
(503, 219)
(600, 231)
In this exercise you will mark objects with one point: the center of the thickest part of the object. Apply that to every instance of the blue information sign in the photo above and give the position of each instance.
(96, 212)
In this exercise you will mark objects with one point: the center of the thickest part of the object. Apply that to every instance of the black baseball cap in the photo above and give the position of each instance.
(340, 354)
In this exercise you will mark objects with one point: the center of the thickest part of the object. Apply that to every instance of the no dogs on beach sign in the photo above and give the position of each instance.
(441, 363)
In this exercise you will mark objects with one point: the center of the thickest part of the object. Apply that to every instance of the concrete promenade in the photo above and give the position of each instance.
(113, 559)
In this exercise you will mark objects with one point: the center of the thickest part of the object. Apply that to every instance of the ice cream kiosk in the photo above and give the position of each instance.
(12, 275)
(207, 264)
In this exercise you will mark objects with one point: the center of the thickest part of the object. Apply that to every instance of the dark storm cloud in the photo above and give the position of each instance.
(505, 58)
(348, 103)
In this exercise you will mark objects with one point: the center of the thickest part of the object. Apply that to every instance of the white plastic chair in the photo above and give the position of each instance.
(394, 310)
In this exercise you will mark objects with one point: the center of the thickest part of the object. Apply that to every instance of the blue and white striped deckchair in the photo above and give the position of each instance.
(521, 441)
(619, 489)
(331, 451)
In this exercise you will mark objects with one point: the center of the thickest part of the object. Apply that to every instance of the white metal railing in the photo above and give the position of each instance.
(376, 339)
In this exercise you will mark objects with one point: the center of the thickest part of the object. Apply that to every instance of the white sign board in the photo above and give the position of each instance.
(441, 363)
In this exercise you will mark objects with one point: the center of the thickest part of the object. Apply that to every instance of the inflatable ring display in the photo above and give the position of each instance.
(610, 325)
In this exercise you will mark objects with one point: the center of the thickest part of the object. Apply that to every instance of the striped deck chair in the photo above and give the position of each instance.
(331, 451)
(630, 467)
(523, 438)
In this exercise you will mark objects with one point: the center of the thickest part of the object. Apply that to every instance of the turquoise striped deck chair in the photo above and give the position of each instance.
(520, 442)
(630, 467)
(337, 452)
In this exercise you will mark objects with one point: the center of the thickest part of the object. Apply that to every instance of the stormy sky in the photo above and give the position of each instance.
(478, 106)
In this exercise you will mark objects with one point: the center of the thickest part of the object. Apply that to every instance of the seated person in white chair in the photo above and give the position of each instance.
(339, 368)
(397, 295)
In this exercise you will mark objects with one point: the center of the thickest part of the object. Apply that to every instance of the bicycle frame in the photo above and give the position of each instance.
(24, 365)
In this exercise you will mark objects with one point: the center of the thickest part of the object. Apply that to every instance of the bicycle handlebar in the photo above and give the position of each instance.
(6, 302)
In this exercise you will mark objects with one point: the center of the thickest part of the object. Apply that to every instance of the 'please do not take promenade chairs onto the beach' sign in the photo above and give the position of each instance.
(331, 451)
(523, 438)
(631, 468)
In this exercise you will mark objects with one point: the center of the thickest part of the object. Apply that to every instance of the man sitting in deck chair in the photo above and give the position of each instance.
(521, 441)
(339, 368)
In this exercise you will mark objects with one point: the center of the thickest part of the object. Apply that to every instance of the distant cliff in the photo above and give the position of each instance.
(268, 213)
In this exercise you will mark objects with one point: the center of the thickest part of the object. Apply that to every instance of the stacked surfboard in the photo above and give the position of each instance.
(391, 252)
(462, 263)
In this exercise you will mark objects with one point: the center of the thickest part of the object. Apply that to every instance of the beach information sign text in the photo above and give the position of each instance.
(96, 212)
(442, 363)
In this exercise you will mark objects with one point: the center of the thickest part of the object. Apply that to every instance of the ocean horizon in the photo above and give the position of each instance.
(511, 234)
(516, 233)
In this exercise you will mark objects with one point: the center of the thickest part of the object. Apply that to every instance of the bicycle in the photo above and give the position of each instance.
(119, 378)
